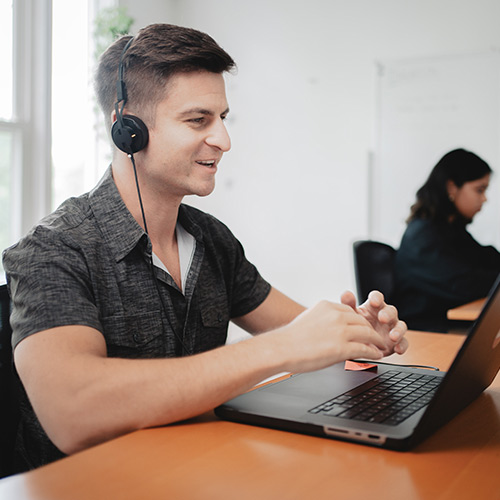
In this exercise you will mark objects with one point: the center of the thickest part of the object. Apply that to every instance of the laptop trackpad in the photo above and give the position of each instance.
(319, 386)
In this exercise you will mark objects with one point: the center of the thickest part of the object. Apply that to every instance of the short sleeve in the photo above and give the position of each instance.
(250, 289)
(49, 284)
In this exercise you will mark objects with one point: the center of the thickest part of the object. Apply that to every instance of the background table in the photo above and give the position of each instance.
(206, 458)
(467, 312)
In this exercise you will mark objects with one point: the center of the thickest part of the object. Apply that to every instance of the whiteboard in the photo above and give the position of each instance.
(425, 108)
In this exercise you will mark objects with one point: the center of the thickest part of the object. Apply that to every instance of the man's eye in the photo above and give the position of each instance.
(201, 119)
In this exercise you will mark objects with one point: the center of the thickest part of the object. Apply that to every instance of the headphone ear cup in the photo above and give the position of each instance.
(130, 135)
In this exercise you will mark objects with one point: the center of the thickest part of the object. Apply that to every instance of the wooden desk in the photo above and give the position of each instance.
(210, 459)
(467, 312)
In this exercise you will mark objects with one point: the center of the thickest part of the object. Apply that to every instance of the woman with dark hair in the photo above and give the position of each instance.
(439, 265)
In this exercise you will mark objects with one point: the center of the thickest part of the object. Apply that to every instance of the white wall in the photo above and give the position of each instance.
(427, 107)
(303, 109)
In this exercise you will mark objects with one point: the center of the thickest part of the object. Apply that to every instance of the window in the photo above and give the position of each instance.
(7, 127)
(78, 160)
(6, 147)
(48, 145)
(80, 147)
(24, 116)
(6, 41)
(71, 141)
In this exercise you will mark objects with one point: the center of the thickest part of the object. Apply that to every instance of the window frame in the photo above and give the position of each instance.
(30, 124)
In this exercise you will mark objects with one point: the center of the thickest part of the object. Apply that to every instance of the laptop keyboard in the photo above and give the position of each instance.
(389, 398)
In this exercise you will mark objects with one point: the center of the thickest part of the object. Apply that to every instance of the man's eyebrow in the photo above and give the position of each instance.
(201, 111)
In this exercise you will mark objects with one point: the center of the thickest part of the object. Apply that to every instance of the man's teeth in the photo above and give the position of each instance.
(207, 163)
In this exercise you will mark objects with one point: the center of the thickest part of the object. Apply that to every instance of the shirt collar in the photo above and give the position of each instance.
(119, 228)
(189, 224)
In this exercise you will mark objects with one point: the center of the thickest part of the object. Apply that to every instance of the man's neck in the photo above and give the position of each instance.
(160, 211)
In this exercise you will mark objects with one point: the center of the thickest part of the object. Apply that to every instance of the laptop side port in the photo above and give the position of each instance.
(354, 435)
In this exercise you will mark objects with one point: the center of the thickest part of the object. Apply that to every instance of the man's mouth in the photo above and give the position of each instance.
(206, 163)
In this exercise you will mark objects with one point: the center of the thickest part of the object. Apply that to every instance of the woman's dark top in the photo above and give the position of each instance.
(438, 267)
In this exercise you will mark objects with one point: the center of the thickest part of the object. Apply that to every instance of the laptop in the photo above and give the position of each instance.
(389, 406)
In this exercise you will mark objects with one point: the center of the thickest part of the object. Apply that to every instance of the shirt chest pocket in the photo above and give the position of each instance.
(214, 315)
(135, 336)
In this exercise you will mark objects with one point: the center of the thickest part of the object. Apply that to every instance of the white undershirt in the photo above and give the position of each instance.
(186, 245)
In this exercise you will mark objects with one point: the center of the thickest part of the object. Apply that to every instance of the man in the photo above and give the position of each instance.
(122, 297)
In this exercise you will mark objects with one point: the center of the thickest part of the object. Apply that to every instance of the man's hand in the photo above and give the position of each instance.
(383, 318)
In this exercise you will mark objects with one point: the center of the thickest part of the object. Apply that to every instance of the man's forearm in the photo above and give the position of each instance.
(82, 397)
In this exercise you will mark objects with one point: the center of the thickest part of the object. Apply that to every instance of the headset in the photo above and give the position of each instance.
(130, 135)
(128, 132)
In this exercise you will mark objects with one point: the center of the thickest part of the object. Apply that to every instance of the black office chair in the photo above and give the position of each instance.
(373, 268)
(9, 410)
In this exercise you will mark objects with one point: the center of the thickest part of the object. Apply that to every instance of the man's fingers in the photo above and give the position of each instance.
(388, 315)
(359, 350)
(375, 298)
(368, 336)
(348, 299)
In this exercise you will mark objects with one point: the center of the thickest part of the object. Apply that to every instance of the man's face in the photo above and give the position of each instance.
(189, 136)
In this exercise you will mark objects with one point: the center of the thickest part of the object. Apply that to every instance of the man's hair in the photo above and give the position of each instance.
(157, 52)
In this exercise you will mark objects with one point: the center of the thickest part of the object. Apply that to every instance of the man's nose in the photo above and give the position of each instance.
(219, 137)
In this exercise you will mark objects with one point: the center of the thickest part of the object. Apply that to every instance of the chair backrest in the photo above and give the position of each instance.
(373, 268)
(9, 410)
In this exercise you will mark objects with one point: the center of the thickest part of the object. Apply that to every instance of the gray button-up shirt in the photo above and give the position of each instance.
(89, 263)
